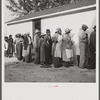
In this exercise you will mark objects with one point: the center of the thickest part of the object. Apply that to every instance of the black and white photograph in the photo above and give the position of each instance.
(50, 49)
(50, 41)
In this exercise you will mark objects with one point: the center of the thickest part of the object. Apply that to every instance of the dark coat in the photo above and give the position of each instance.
(26, 42)
(93, 40)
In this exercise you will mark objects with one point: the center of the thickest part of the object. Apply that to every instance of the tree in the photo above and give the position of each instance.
(23, 7)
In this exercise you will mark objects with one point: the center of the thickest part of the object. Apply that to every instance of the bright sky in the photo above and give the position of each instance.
(8, 14)
(7, 17)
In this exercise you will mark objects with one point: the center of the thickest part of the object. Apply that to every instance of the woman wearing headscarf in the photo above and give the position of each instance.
(57, 47)
(67, 51)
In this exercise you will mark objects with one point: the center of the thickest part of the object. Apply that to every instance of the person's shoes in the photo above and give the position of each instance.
(82, 67)
(42, 66)
(42, 63)
(67, 64)
(23, 60)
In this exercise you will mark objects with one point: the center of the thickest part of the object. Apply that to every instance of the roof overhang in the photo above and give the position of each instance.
(53, 14)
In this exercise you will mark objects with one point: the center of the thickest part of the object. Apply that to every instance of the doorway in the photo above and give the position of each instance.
(36, 25)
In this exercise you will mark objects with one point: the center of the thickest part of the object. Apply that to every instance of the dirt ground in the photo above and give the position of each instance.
(18, 71)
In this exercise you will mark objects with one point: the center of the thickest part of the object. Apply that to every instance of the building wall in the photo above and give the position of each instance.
(20, 28)
(73, 21)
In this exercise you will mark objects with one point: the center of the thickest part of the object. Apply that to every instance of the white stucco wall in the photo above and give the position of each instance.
(73, 21)
(20, 28)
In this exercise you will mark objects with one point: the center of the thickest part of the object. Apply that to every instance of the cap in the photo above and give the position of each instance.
(94, 27)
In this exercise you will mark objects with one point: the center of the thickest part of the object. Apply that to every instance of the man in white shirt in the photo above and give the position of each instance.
(83, 45)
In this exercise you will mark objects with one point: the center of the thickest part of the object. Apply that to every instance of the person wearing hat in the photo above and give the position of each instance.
(47, 47)
(36, 46)
(83, 45)
(67, 53)
(92, 47)
(57, 48)
(10, 46)
(42, 50)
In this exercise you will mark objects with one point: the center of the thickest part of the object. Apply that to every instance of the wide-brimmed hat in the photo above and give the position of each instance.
(67, 30)
(42, 34)
(84, 26)
(37, 31)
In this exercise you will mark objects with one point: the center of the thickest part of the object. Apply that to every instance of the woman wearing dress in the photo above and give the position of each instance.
(57, 55)
(67, 48)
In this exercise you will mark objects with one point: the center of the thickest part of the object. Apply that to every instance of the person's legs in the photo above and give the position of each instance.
(78, 59)
(47, 56)
(82, 55)
(92, 58)
(30, 56)
(20, 52)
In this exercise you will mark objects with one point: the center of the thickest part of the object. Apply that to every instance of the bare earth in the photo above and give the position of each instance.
(17, 71)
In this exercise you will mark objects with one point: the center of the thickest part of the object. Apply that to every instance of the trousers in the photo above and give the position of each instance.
(83, 55)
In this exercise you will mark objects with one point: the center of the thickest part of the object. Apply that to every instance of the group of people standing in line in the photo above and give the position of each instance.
(56, 49)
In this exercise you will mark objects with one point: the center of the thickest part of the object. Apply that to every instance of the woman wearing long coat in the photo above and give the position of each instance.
(57, 47)
(67, 48)
(42, 50)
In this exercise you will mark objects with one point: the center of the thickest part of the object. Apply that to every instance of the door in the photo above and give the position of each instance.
(36, 25)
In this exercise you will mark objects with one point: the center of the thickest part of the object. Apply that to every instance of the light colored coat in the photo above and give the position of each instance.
(58, 46)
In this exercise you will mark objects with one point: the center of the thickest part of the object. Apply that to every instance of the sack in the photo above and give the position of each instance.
(69, 53)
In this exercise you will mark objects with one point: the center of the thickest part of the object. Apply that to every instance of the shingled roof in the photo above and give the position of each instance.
(39, 14)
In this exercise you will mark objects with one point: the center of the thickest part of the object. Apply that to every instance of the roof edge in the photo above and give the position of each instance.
(50, 15)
